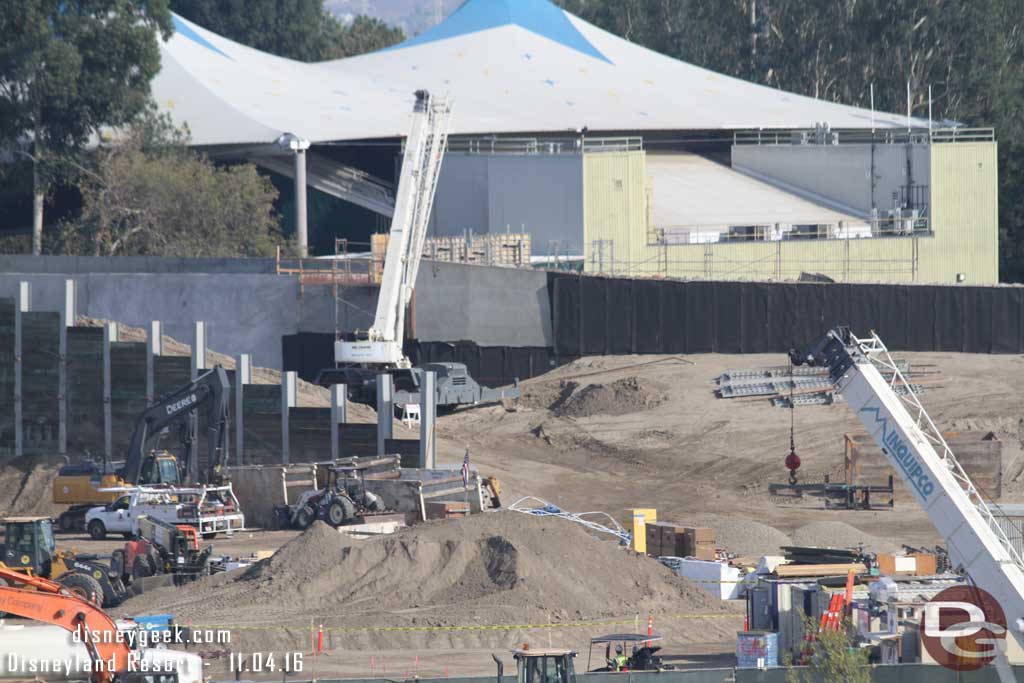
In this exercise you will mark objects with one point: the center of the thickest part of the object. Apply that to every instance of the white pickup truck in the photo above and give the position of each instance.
(210, 509)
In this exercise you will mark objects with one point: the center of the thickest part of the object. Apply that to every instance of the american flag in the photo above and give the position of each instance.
(465, 470)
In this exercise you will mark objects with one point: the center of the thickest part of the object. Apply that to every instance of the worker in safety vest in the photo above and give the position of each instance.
(620, 659)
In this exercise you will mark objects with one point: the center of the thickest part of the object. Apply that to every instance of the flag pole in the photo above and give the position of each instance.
(465, 480)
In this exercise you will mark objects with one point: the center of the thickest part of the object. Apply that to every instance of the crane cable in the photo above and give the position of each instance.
(792, 460)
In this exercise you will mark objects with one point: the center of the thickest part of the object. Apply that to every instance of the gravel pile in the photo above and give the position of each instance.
(840, 535)
(742, 536)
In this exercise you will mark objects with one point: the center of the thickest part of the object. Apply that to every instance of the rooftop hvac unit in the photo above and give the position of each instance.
(903, 220)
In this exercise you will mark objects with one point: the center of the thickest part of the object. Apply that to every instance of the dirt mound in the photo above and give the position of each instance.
(840, 535)
(498, 568)
(741, 535)
(25, 485)
(623, 396)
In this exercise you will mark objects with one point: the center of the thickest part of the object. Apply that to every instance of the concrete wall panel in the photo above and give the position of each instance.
(536, 193)
(491, 306)
(540, 195)
(460, 202)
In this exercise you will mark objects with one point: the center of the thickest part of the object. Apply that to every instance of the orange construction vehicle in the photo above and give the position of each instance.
(111, 657)
(52, 603)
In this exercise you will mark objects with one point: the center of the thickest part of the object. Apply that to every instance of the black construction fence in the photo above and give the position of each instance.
(598, 315)
(307, 353)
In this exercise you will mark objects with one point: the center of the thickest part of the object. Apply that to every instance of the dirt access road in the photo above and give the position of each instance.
(611, 433)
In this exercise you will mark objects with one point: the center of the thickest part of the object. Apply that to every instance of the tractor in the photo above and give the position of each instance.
(29, 548)
(339, 502)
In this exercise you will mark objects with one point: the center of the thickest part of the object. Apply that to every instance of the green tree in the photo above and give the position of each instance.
(831, 656)
(151, 194)
(364, 34)
(68, 69)
(297, 29)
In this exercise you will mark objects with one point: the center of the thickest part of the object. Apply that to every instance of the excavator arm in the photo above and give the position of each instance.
(51, 603)
(182, 405)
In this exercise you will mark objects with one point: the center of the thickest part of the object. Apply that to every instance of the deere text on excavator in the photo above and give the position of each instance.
(83, 486)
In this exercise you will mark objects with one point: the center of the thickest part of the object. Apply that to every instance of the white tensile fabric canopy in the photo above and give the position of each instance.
(511, 66)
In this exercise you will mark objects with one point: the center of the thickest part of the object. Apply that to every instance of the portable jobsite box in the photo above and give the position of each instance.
(636, 521)
(667, 539)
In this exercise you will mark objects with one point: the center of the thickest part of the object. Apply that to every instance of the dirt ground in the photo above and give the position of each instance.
(696, 457)
(606, 433)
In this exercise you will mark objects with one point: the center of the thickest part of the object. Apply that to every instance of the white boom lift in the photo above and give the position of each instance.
(866, 376)
(421, 165)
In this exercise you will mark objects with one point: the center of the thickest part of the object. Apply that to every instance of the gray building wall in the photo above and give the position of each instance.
(838, 173)
(491, 306)
(249, 313)
(20, 263)
(539, 194)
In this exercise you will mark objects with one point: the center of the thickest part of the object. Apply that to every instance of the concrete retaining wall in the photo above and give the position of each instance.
(250, 312)
(80, 265)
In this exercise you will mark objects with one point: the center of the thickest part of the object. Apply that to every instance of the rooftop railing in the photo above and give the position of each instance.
(822, 135)
(544, 146)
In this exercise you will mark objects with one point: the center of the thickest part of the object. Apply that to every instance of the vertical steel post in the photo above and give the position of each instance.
(287, 403)
(154, 348)
(300, 203)
(22, 305)
(68, 314)
(339, 414)
(109, 337)
(198, 348)
(385, 411)
(428, 416)
(243, 376)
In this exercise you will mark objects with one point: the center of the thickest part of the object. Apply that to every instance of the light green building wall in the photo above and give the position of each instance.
(963, 214)
(615, 211)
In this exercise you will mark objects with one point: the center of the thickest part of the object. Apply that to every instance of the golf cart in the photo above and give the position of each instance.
(638, 647)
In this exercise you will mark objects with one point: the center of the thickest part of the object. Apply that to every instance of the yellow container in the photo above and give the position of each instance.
(636, 520)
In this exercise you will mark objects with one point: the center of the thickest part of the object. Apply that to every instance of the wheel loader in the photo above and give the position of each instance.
(29, 548)
(343, 498)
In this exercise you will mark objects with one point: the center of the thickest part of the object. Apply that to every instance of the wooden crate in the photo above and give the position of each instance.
(499, 249)
(979, 453)
(445, 509)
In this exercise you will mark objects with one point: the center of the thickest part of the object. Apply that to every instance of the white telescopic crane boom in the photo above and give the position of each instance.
(866, 376)
(421, 165)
